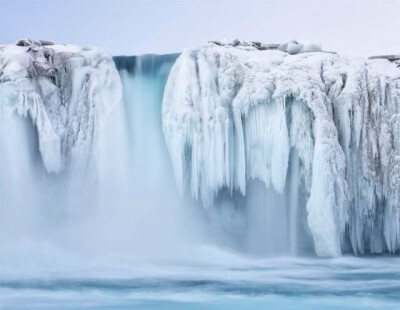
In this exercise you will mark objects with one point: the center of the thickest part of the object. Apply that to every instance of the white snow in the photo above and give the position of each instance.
(231, 115)
(66, 90)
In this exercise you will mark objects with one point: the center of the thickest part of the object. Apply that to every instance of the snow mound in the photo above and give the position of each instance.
(231, 115)
(66, 90)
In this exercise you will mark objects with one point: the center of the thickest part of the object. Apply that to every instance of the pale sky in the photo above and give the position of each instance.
(123, 27)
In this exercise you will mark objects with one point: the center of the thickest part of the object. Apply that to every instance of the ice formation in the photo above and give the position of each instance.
(231, 115)
(66, 90)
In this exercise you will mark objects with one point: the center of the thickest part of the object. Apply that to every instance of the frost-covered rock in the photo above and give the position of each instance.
(231, 115)
(66, 90)
(292, 47)
(393, 58)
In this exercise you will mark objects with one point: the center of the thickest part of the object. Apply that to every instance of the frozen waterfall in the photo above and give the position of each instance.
(233, 115)
(84, 169)
(288, 154)
(67, 91)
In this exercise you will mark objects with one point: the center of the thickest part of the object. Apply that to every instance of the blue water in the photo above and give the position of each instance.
(224, 281)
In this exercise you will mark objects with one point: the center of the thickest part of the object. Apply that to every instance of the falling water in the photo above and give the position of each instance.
(128, 203)
(122, 232)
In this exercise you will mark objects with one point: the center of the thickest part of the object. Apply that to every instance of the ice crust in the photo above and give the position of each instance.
(66, 90)
(231, 115)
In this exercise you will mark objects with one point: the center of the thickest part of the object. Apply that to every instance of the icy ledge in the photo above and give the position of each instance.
(230, 115)
(66, 90)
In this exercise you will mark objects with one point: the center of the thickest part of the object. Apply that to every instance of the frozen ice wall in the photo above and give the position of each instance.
(55, 100)
(66, 91)
(233, 116)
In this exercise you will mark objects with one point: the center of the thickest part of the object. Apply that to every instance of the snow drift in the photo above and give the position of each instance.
(231, 115)
(66, 90)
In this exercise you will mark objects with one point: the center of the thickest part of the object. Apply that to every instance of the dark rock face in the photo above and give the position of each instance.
(23, 42)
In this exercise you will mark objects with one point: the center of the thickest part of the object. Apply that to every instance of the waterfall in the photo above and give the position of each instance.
(84, 169)
(143, 79)
(154, 155)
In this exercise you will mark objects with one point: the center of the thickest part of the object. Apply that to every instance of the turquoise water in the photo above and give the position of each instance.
(225, 281)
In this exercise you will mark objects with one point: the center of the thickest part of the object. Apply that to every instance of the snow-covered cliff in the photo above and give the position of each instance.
(66, 90)
(235, 114)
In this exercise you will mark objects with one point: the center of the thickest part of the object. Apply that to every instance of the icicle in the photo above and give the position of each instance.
(68, 100)
(240, 112)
